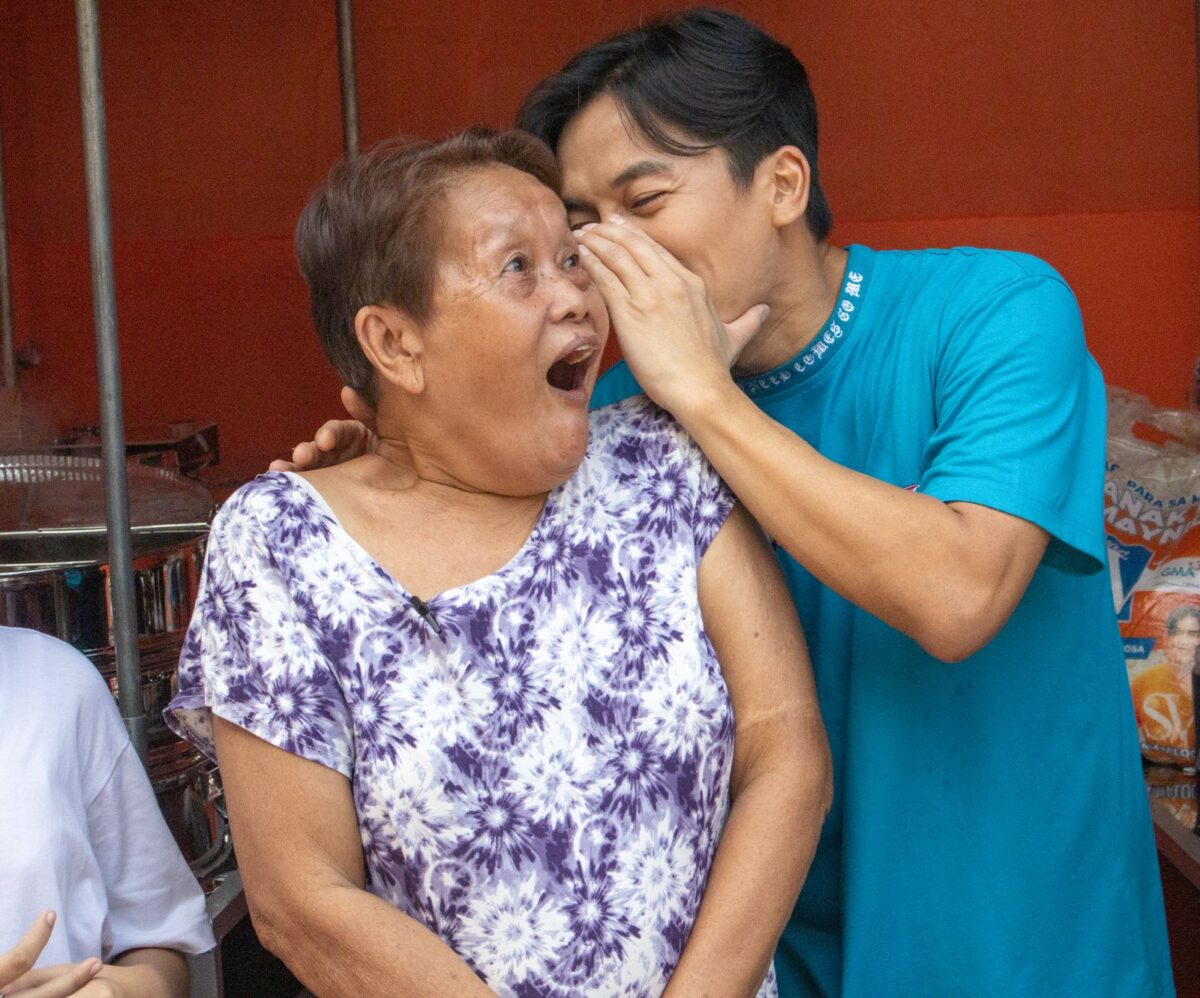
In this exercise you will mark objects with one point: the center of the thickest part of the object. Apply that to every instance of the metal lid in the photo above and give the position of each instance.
(52, 509)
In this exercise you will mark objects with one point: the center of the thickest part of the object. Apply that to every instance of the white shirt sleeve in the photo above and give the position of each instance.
(153, 899)
(83, 835)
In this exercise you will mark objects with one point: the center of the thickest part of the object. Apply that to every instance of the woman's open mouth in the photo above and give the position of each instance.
(570, 371)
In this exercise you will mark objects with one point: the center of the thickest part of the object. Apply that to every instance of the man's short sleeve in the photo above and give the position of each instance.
(252, 653)
(1020, 411)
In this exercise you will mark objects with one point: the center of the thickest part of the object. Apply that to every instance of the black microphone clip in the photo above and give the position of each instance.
(422, 608)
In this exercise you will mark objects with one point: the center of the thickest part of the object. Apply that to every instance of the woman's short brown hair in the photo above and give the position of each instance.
(370, 234)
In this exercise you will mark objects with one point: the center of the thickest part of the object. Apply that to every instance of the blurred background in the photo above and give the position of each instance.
(1068, 130)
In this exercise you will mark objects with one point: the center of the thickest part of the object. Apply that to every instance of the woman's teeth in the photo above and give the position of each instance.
(567, 373)
(579, 354)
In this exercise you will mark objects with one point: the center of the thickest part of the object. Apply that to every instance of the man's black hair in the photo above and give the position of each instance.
(707, 75)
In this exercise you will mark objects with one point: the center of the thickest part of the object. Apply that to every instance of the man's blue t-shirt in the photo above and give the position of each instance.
(990, 833)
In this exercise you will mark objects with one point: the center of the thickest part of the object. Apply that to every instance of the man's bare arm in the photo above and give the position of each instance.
(949, 575)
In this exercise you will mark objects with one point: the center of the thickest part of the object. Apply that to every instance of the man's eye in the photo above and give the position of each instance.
(516, 265)
(646, 199)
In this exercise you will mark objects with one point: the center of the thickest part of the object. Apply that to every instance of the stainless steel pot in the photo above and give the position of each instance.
(188, 789)
(53, 548)
(68, 595)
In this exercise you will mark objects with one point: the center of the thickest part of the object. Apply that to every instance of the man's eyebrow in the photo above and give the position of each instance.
(635, 171)
(642, 168)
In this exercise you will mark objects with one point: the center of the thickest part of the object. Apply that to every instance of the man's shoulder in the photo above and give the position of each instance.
(952, 293)
(968, 264)
(615, 385)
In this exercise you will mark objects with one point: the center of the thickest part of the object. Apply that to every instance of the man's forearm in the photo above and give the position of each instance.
(907, 558)
(765, 850)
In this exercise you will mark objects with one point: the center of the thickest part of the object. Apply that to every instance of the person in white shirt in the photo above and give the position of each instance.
(95, 898)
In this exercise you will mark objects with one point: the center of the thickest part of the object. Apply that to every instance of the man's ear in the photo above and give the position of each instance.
(788, 178)
(394, 345)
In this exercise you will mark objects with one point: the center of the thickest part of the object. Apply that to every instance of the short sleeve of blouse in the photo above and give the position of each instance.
(665, 458)
(712, 501)
(252, 653)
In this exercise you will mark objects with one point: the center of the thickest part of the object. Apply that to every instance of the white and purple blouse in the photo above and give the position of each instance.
(540, 759)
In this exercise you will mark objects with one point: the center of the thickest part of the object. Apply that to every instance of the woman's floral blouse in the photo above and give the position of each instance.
(540, 764)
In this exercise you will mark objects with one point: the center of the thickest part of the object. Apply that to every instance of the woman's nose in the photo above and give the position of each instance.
(570, 295)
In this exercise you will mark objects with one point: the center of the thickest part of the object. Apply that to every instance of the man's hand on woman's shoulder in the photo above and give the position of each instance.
(337, 440)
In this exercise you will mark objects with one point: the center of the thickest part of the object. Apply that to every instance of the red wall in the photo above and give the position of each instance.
(1067, 130)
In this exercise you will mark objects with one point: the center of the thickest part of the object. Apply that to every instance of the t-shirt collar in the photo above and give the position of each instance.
(820, 350)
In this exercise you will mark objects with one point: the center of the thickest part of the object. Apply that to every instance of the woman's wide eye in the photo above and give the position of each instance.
(516, 265)
(571, 261)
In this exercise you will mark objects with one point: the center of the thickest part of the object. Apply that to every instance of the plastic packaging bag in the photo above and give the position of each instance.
(1152, 521)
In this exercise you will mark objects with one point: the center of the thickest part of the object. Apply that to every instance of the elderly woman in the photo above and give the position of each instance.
(513, 704)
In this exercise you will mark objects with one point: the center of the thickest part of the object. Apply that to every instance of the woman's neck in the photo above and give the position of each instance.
(429, 533)
(400, 469)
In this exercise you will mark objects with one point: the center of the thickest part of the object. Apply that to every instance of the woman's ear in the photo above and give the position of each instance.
(788, 178)
(394, 346)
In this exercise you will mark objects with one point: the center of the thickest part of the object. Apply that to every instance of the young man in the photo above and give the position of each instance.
(922, 435)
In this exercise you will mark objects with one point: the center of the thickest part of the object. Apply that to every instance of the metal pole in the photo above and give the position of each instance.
(6, 319)
(345, 23)
(108, 365)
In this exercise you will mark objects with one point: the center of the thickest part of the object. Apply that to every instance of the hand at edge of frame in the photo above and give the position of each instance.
(18, 978)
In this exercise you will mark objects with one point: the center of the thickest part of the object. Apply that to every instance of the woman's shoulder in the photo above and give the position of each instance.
(637, 430)
(647, 471)
(272, 523)
(275, 504)
(262, 496)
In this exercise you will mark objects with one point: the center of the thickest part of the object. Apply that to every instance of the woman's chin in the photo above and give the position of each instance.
(577, 398)
(561, 451)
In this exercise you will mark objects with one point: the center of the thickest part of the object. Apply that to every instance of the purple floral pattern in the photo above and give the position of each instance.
(544, 782)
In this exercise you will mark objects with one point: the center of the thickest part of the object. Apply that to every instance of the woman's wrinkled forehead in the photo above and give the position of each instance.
(491, 209)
